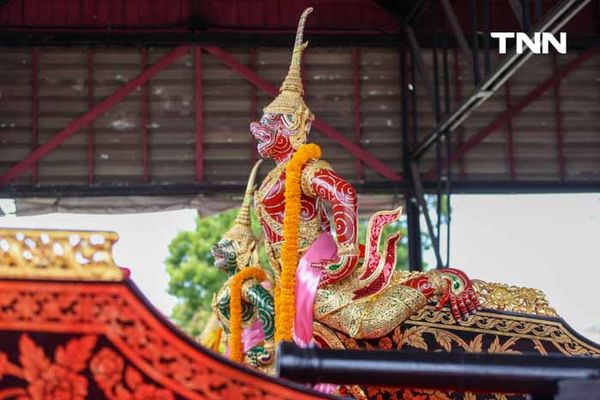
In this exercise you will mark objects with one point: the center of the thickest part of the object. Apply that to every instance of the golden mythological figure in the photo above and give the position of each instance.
(334, 282)
(236, 255)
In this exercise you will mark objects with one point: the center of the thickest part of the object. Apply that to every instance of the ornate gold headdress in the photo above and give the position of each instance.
(290, 101)
(241, 231)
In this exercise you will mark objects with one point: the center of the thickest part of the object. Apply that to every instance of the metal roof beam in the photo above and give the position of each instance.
(458, 33)
(318, 123)
(417, 56)
(174, 37)
(555, 19)
(381, 187)
(92, 114)
(517, 108)
(420, 192)
(517, 9)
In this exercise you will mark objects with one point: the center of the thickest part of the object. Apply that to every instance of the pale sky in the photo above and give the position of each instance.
(142, 245)
(549, 242)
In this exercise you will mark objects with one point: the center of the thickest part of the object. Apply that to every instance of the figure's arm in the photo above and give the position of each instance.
(319, 180)
(260, 298)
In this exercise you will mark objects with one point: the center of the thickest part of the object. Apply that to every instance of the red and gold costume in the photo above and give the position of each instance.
(280, 132)
(358, 292)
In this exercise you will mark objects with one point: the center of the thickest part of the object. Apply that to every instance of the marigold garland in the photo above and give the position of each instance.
(285, 304)
(236, 350)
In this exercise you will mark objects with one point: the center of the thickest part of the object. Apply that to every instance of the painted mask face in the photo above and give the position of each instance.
(274, 136)
(271, 135)
(225, 255)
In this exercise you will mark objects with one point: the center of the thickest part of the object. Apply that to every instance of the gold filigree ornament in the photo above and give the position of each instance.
(499, 296)
(551, 331)
(241, 232)
(290, 102)
(47, 254)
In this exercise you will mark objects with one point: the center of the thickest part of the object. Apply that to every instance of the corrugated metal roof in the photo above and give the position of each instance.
(117, 137)
(535, 141)
(227, 111)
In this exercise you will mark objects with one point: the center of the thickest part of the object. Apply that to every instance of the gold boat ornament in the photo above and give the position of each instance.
(54, 254)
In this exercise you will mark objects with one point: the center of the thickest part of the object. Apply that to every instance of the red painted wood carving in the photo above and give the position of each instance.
(72, 341)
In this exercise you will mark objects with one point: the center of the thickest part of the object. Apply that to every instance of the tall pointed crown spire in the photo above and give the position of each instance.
(289, 101)
(241, 230)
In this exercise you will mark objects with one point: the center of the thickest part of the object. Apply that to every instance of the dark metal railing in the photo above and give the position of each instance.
(544, 377)
(475, 47)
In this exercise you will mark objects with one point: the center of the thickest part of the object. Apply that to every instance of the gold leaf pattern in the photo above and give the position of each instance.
(476, 345)
(486, 332)
(539, 347)
(499, 296)
(412, 337)
(47, 254)
(444, 339)
(496, 347)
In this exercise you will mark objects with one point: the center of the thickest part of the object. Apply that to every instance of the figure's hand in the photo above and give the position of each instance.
(336, 269)
(260, 356)
(459, 293)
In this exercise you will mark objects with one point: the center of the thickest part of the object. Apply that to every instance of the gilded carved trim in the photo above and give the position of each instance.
(503, 297)
(47, 254)
(499, 296)
(517, 327)
(488, 331)
(122, 321)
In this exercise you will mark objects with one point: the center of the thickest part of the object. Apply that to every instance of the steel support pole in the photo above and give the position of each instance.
(356, 101)
(485, 10)
(415, 256)
(558, 119)
(437, 116)
(448, 141)
(144, 120)
(90, 101)
(458, 32)
(34, 109)
(457, 99)
(253, 98)
(537, 10)
(420, 194)
(517, 108)
(475, 37)
(415, 252)
(526, 16)
(556, 19)
(517, 9)
(510, 148)
(198, 114)
(417, 56)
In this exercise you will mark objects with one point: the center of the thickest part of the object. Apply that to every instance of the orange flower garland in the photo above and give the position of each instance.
(285, 304)
(236, 351)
